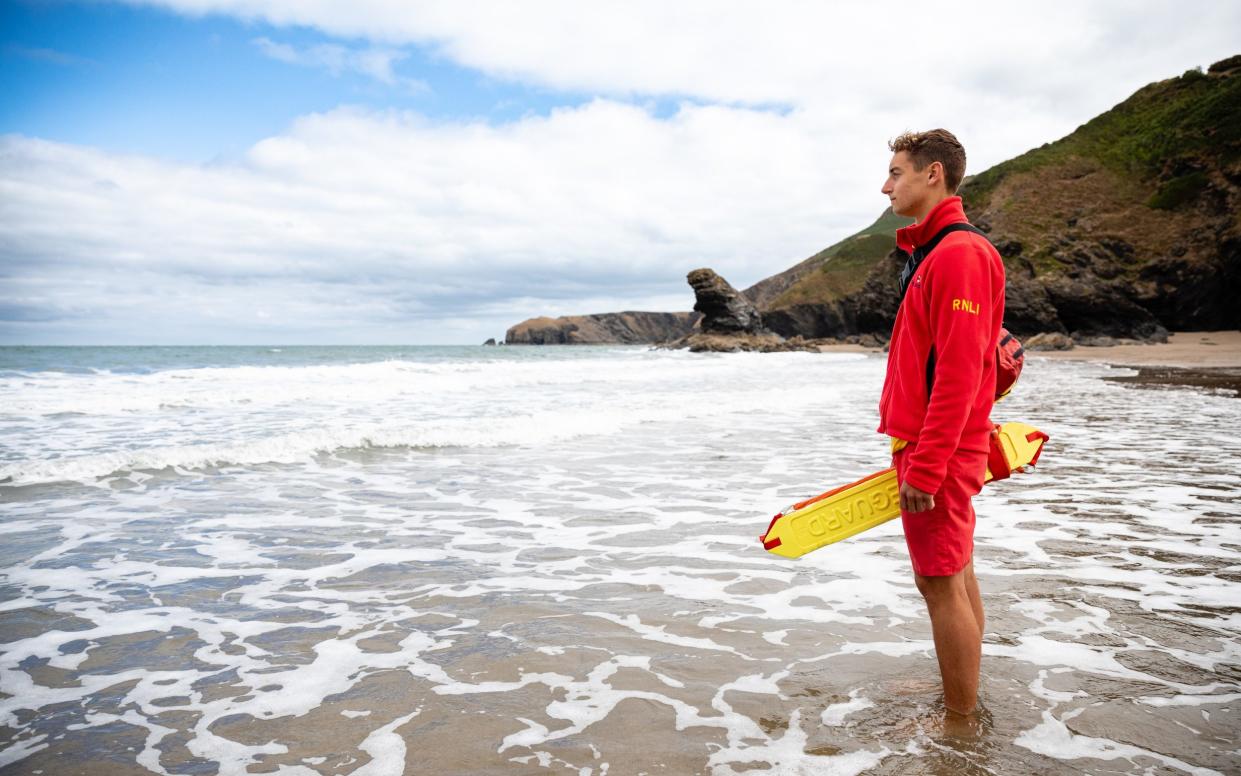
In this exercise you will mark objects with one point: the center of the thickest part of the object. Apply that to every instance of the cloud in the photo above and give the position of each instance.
(798, 52)
(1003, 78)
(376, 63)
(357, 225)
(370, 219)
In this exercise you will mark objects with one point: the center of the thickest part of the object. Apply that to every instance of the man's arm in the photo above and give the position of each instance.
(961, 299)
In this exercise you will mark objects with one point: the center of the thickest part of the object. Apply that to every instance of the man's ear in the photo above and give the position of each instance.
(935, 172)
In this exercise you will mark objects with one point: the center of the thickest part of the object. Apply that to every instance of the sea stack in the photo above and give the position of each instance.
(724, 310)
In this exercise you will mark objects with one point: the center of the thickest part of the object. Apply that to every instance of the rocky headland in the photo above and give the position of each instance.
(1127, 228)
(730, 322)
(627, 328)
(1124, 230)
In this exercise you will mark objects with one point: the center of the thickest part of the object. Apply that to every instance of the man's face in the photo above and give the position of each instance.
(908, 189)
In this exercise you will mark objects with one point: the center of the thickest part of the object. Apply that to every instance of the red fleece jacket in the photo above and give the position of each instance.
(940, 383)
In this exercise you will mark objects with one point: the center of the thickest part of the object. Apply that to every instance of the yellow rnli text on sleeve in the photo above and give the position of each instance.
(965, 306)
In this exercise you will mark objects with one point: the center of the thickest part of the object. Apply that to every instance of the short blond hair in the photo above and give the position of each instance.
(934, 145)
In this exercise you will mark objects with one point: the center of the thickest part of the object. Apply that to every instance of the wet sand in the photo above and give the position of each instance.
(1226, 380)
(1198, 359)
(1208, 360)
(1184, 349)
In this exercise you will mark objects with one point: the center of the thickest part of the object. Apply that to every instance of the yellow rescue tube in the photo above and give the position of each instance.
(875, 499)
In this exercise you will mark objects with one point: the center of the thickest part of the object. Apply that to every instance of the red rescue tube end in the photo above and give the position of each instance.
(1033, 435)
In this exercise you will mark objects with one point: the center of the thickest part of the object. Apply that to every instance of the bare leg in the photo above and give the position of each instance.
(955, 626)
(971, 587)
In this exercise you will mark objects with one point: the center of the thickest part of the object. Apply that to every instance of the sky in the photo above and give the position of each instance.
(213, 172)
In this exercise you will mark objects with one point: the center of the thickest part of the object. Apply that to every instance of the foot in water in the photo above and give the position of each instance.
(966, 727)
(948, 726)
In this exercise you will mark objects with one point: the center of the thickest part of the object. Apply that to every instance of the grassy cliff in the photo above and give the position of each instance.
(1130, 223)
(1160, 133)
(835, 271)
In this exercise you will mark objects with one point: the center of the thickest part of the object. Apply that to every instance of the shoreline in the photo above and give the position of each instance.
(1193, 350)
(1209, 360)
(1184, 350)
(1189, 359)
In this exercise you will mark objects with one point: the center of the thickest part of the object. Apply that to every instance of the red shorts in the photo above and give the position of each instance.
(941, 541)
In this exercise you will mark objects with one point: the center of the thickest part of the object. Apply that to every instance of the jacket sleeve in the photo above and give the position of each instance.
(960, 317)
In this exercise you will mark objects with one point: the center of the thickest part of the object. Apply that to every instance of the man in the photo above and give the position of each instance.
(938, 393)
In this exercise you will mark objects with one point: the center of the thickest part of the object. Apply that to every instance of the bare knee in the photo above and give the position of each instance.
(935, 590)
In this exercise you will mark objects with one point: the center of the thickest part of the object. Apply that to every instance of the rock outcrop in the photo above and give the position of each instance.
(729, 321)
(700, 342)
(1048, 340)
(771, 343)
(724, 310)
(730, 324)
(627, 328)
(1126, 228)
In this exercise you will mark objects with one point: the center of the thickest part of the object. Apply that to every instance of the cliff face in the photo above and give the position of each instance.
(869, 307)
(832, 272)
(627, 328)
(1128, 226)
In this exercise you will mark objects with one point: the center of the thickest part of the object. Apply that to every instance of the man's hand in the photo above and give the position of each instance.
(914, 500)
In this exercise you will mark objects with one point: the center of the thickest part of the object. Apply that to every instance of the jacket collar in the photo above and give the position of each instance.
(948, 211)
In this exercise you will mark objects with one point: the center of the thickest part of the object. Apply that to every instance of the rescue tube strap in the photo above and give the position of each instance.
(1030, 437)
(921, 253)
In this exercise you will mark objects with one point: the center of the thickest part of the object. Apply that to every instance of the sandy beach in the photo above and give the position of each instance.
(1201, 359)
(1208, 360)
(1185, 349)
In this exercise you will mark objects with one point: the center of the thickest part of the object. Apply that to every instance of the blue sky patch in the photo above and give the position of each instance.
(148, 81)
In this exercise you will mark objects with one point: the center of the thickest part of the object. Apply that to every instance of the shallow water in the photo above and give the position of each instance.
(546, 560)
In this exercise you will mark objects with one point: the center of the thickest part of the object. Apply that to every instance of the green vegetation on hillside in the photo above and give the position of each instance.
(1083, 202)
(843, 273)
(1163, 124)
(1178, 191)
(887, 223)
(846, 263)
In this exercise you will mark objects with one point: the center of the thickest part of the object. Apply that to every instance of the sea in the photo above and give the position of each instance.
(529, 560)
